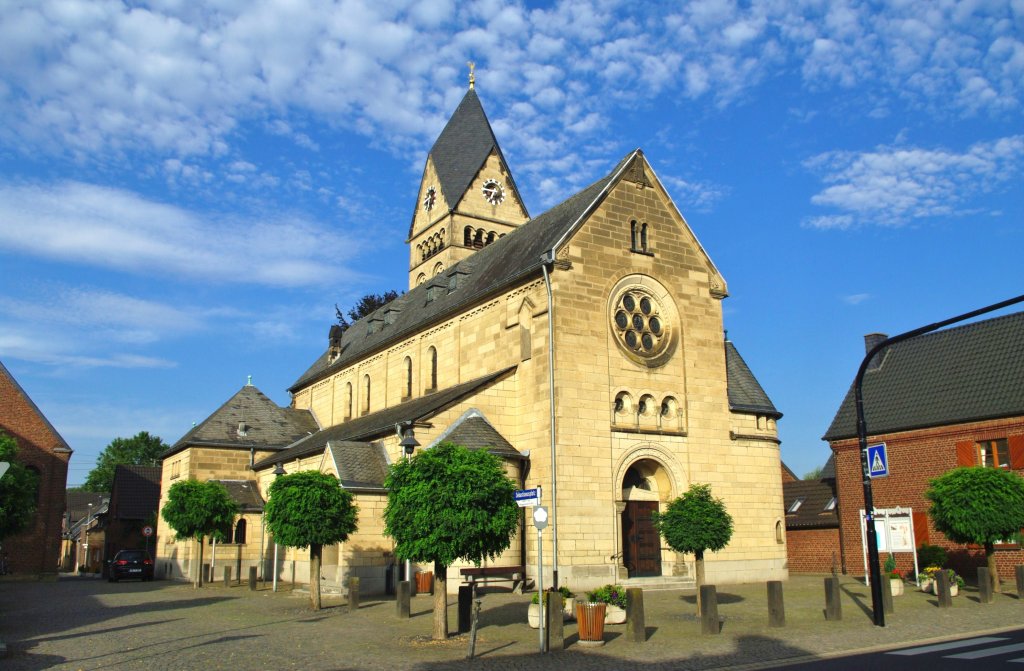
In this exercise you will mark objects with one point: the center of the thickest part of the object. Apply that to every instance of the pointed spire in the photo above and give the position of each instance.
(249, 382)
(472, 78)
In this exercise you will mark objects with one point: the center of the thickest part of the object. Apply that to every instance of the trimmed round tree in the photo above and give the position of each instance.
(694, 523)
(197, 509)
(18, 487)
(980, 506)
(449, 503)
(310, 509)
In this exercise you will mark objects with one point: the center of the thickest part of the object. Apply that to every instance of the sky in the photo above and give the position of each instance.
(188, 189)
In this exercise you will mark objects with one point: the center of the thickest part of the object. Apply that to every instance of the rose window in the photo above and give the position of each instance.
(639, 323)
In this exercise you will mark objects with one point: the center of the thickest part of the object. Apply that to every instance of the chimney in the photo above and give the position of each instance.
(870, 341)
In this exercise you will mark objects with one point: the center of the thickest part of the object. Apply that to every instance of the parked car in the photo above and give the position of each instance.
(131, 564)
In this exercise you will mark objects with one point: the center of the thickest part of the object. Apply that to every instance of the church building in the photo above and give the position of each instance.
(584, 346)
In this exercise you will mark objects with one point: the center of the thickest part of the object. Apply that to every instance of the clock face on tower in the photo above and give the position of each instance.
(429, 198)
(493, 192)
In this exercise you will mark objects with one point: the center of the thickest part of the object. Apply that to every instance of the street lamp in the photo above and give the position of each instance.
(278, 472)
(88, 521)
(408, 443)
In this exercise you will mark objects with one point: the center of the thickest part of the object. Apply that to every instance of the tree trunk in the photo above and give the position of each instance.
(315, 552)
(699, 556)
(440, 602)
(199, 567)
(993, 572)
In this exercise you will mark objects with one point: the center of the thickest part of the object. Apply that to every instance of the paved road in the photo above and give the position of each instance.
(78, 623)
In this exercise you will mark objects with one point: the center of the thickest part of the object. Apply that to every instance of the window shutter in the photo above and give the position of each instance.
(966, 455)
(1016, 451)
(920, 528)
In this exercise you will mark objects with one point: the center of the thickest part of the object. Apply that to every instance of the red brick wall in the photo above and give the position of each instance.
(36, 550)
(812, 550)
(915, 457)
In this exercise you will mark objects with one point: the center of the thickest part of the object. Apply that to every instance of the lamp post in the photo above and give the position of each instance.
(278, 472)
(409, 443)
(88, 521)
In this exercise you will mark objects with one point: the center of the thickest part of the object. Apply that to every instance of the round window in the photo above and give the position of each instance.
(640, 323)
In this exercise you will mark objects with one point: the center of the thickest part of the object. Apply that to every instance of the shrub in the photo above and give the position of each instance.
(565, 592)
(931, 555)
(611, 594)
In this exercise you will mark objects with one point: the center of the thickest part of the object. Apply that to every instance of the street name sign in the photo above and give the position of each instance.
(527, 498)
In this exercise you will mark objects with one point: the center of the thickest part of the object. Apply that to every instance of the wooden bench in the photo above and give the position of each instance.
(484, 574)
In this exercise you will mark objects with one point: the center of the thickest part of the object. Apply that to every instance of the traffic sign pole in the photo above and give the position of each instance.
(540, 520)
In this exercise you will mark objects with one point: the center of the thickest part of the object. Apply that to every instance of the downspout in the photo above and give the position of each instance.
(546, 260)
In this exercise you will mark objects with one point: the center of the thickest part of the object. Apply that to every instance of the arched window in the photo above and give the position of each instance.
(490, 237)
(468, 240)
(240, 532)
(643, 238)
(348, 397)
(432, 354)
(632, 235)
(478, 239)
(366, 386)
(408, 377)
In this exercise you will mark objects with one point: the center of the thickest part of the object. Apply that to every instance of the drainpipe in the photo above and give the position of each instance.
(549, 260)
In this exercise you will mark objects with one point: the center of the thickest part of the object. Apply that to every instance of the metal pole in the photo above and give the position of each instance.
(540, 584)
(275, 564)
(862, 440)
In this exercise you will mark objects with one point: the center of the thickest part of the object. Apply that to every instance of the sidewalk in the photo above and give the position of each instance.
(87, 624)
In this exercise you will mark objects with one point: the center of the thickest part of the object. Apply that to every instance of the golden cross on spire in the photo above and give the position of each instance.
(472, 79)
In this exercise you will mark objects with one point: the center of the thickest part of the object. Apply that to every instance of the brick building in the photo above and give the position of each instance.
(938, 401)
(584, 346)
(812, 521)
(35, 551)
(134, 497)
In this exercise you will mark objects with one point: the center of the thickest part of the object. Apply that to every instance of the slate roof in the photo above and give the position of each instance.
(383, 421)
(745, 392)
(62, 444)
(462, 148)
(135, 493)
(473, 431)
(812, 513)
(267, 425)
(246, 493)
(505, 262)
(77, 504)
(360, 465)
(964, 374)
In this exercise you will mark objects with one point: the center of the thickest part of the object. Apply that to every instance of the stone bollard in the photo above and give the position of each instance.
(636, 629)
(555, 622)
(252, 578)
(776, 607)
(709, 623)
(227, 576)
(887, 605)
(402, 595)
(206, 574)
(942, 589)
(353, 594)
(1019, 571)
(833, 602)
(984, 585)
(465, 608)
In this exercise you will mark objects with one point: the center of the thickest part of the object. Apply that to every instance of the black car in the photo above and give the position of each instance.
(131, 564)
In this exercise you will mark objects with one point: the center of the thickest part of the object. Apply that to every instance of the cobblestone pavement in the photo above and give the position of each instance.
(81, 623)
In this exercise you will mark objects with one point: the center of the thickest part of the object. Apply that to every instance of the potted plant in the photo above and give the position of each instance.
(955, 582)
(614, 597)
(926, 579)
(895, 579)
(568, 612)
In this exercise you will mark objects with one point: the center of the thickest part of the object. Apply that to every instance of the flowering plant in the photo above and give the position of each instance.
(565, 591)
(611, 594)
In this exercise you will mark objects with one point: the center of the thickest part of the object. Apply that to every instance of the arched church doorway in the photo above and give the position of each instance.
(644, 486)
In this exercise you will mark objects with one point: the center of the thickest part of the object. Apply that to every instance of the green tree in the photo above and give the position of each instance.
(980, 506)
(310, 509)
(365, 306)
(814, 474)
(449, 503)
(694, 523)
(141, 449)
(195, 510)
(18, 487)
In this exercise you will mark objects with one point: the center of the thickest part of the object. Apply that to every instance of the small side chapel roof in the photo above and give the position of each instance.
(473, 431)
(246, 493)
(359, 465)
(264, 424)
(745, 393)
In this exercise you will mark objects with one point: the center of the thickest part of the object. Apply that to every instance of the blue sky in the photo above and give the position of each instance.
(187, 189)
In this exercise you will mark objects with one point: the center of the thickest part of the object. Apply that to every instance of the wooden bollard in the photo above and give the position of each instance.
(555, 621)
(636, 630)
(709, 623)
(985, 585)
(227, 576)
(887, 605)
(252, 578)
(833, 602)
(942, 589)
(465, 608)
(353, 594)
(1019, 571)
(776, 607)
(206, 575)
(402, 596)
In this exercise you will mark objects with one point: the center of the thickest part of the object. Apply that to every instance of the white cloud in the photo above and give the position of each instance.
(856, 299)
(114, 228)
(893, 185)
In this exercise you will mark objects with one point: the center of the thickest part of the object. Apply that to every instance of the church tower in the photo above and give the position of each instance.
(467, 197)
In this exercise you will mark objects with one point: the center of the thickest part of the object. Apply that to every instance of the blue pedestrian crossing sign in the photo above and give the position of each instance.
(878, 461)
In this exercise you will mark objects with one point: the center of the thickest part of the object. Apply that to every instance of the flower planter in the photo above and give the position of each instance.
(926, 585)
(590, 623)
(954, 589)
(533, 613)
(614, 614)
(896, 586)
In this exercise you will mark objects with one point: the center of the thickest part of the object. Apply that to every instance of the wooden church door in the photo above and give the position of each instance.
(641, 552)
